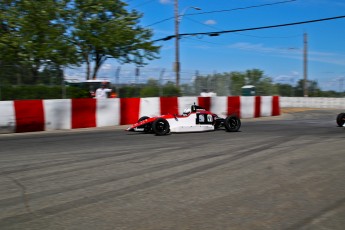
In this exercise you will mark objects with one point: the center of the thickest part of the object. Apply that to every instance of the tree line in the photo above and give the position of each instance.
(223, 84)
(231, 83)
(40, 38)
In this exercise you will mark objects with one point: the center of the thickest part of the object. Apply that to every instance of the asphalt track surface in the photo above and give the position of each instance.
(285, 173)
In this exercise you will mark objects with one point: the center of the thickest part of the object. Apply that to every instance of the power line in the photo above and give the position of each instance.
(242, 8)
(217, 33)
(247, 35)
(226, 10)
(144, 3)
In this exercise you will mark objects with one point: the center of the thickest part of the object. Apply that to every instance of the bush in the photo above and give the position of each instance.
(10, 92)
(149, 91)
(40, 92)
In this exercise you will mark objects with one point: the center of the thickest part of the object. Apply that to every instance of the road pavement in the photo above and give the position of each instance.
(284, 172)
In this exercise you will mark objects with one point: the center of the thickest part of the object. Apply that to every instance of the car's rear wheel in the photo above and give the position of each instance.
(232, 124)
(161, 127)
(341, 119)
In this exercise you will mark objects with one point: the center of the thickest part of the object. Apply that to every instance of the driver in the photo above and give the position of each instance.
(186, 112)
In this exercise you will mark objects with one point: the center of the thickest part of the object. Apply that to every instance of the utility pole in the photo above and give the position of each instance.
(117, 75)
(177, 45)
(161, 75)
(137, 74)
(341, 84)
(305, 65)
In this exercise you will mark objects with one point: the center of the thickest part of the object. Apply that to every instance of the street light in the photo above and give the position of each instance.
(178, 18)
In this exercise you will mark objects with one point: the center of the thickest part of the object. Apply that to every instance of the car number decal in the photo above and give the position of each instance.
(204, 119)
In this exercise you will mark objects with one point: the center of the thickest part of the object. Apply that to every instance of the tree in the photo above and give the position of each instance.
(265, 87)
(33, 35)
(151, 89)
(312, 86)
(36, 34)
(171, 90)
(285, 90)
(105, 29)
(231, 83)
(238, 80)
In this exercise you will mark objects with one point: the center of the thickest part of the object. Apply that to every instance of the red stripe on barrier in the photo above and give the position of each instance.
(205, 102)
(29, 116)
(83, 113)
(129, 109)
(234, 105)
(169, 105)
(275, 106)
(257, 106)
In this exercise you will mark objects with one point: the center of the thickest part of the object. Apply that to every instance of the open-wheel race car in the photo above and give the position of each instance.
(341, 119)
(193, 119)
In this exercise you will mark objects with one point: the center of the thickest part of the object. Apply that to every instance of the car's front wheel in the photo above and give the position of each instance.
(161, 127)
(232, 124)
(143, 118)
(146, 127)
(341, 119)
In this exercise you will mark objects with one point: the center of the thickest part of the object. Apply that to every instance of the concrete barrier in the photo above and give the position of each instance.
(44, 115)
(312, 102)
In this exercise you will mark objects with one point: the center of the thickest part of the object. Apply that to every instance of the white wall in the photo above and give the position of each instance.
(312, 102)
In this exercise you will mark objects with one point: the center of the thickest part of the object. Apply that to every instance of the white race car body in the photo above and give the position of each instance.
(189, 124)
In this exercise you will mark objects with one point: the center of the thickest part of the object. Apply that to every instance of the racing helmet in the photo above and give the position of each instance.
(186, 111)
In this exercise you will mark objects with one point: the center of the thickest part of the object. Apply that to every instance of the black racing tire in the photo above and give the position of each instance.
(341, 119)
(143, 118)
(232, 123)
(161, 127)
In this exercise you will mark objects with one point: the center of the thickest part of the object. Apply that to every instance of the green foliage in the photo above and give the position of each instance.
(312, 87)
(35, 35)
(149, 91)
(170, 90)
(231, 83)
(187, 90)
(238, 80)
(75, 92)
(107, 30)
(40, 92)
(266, 87)
(285, 90)
(129, 91)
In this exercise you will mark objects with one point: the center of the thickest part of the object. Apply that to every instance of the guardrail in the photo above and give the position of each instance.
(43, 115)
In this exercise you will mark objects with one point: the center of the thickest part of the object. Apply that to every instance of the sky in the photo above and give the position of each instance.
(276, 51)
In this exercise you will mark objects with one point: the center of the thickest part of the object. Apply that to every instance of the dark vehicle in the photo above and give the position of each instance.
(341, 119)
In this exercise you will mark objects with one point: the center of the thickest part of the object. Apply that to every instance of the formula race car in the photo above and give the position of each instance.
(341, 119)
(193, 119)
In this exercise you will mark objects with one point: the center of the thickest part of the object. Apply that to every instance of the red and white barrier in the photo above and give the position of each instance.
(44, 115)
(7, 117)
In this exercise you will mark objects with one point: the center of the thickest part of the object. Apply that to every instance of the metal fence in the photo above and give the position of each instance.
(192, 82)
